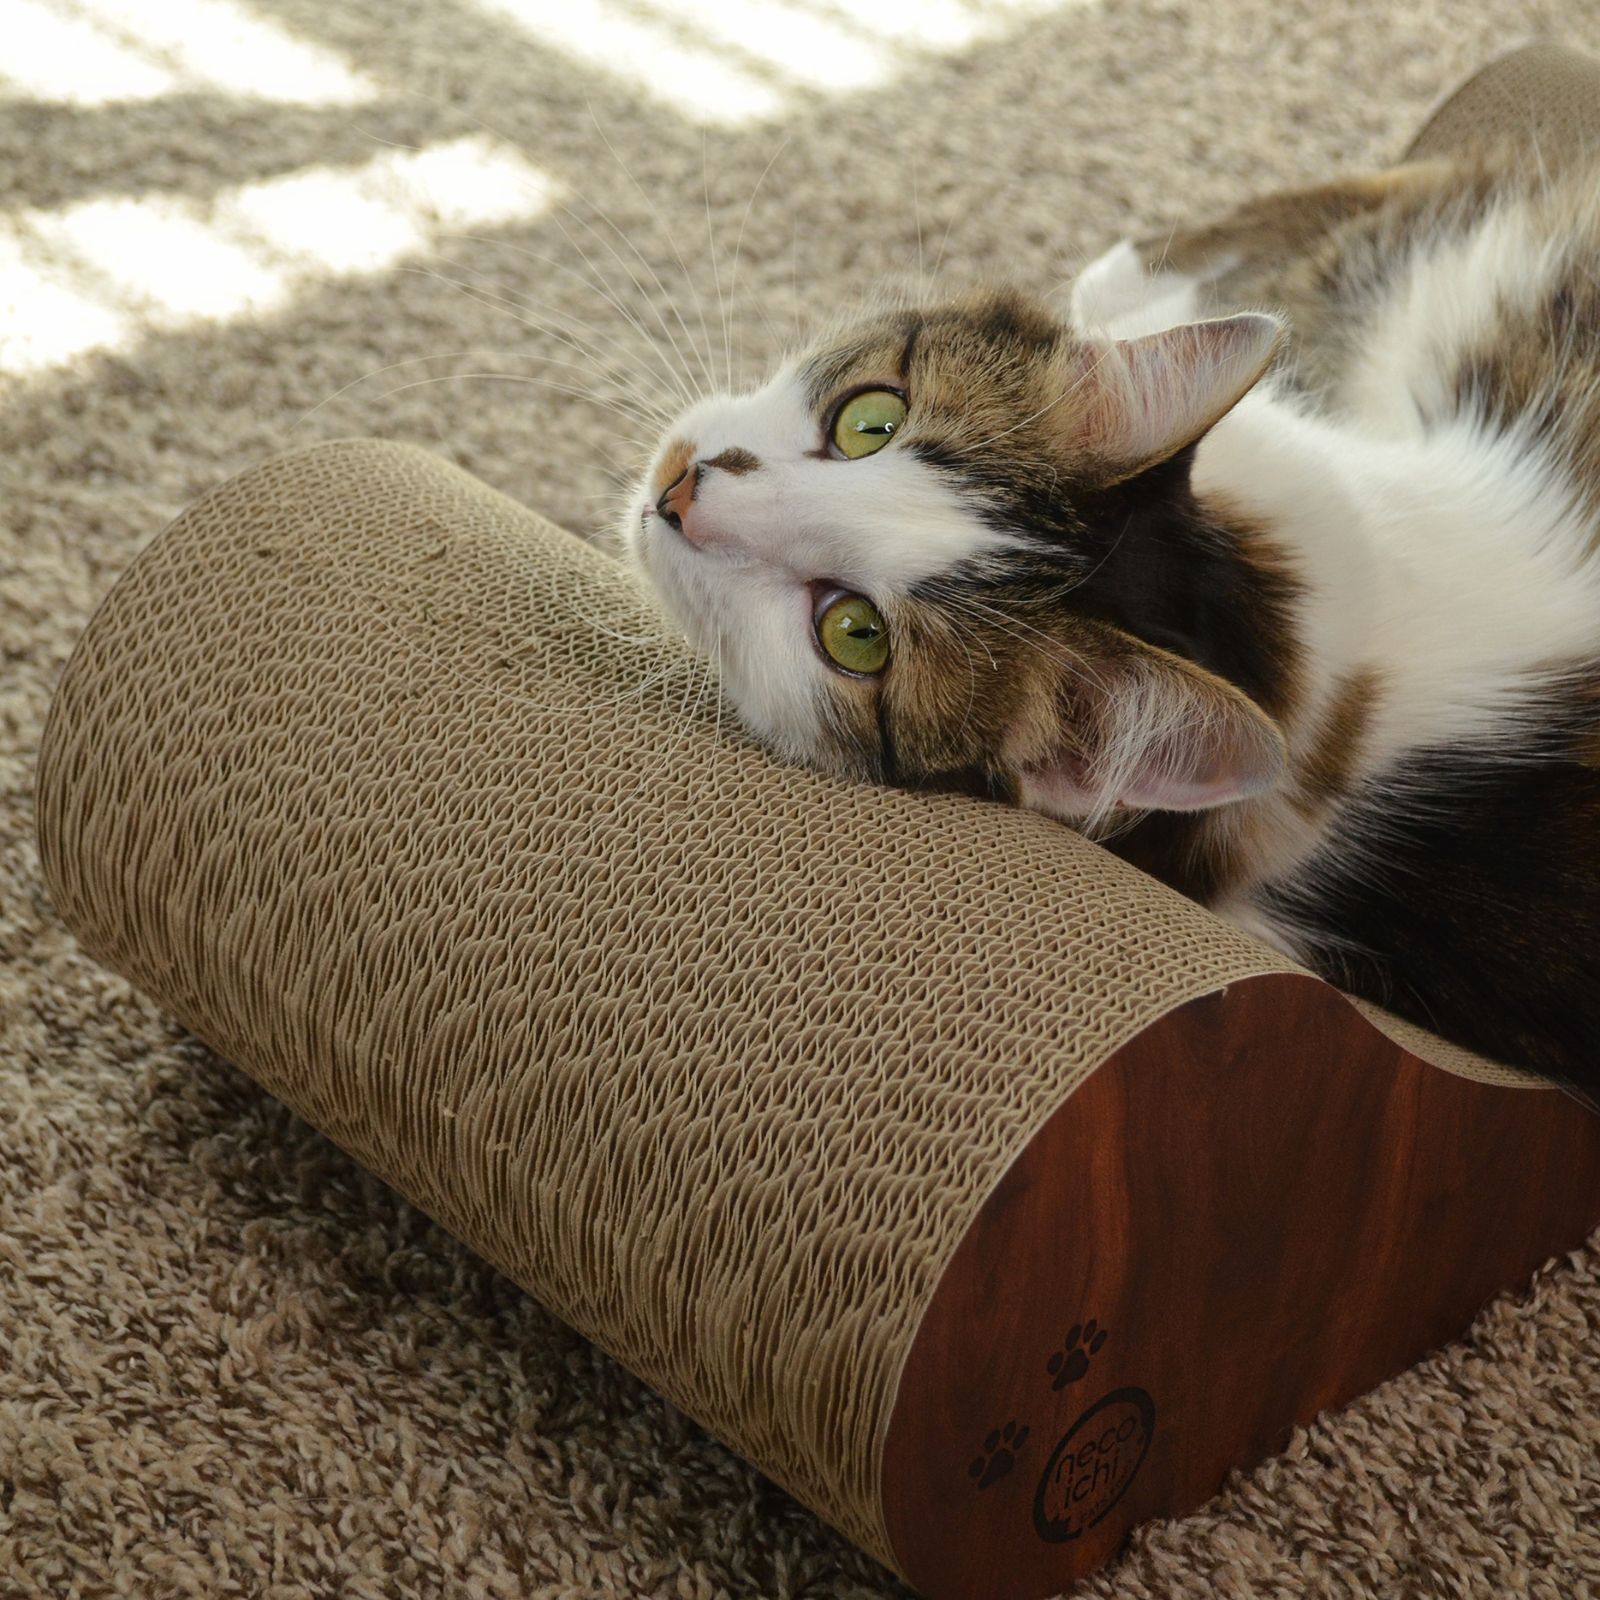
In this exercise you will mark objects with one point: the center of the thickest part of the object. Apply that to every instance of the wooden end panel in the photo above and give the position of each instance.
(1259, 1208)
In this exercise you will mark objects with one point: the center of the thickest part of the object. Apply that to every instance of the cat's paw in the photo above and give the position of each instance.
(1071, 1361)
(999, 1455)
(1118, 295)
(1109, 287)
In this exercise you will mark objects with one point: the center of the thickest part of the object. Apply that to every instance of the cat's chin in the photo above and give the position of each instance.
(652, 563)
(626, 537)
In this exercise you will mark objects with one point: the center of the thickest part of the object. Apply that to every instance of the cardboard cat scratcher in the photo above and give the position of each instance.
(988, 1196)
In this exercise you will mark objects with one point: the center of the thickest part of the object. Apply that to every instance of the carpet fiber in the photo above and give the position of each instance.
(230, 1363)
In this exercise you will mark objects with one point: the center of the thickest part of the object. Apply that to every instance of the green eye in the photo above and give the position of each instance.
(867, 422)
(852, 632)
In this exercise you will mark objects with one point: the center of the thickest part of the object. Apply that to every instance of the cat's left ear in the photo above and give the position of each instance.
(1133, 403)
(1142, 729)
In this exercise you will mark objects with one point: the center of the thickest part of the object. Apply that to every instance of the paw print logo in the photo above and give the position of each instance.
(1071, 1361)
(1000, 1452)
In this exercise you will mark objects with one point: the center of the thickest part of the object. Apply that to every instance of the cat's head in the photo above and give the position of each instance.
(904, 553)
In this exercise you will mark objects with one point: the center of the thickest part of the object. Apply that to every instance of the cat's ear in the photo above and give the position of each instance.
(1133, 403)
(1145, 730)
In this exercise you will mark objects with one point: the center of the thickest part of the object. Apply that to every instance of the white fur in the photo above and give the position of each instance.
(1449, 298)
(1114, 297)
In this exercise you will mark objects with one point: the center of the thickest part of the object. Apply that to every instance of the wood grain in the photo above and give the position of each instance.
(1259, 1208)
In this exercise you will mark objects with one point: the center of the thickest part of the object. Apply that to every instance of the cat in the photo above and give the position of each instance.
(1275, 565)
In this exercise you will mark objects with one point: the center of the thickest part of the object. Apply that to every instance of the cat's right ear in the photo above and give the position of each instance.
(1131, 404)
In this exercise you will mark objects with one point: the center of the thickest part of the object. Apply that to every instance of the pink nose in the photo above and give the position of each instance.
(678, 497)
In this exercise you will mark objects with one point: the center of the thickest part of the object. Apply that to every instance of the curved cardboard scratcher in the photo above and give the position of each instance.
(1544, 95)
(985, 1194)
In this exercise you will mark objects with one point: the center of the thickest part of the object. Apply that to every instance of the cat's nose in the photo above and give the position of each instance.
(678, 496)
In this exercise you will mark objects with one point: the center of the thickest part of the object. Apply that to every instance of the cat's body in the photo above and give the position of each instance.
(1319, 646)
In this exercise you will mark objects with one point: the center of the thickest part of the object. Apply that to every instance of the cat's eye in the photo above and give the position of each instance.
(867, 422)
(853, 634)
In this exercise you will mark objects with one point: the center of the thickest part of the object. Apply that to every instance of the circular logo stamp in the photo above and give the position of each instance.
(1090, 1470)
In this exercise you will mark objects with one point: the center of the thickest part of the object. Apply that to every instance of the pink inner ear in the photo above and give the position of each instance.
(1223, 764)
(1188, 791)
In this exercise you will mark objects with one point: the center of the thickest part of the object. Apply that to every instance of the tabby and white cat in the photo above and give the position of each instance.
(1297, 608)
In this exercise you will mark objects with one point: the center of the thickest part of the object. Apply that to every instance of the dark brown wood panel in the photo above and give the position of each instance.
(1259, 1208)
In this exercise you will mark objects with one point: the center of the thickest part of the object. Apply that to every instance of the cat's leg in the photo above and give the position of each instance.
(1290, 223)
(1144, 285)
(1249, 254)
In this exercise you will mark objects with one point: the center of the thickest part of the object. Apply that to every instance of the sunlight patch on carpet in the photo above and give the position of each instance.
(96, 274)
(743, 60)
(101, 52)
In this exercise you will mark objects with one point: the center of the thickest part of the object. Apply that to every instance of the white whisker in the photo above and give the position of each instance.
(738, 243)
(668, 374)
(578, 342)
(711, 248)
(701, 350)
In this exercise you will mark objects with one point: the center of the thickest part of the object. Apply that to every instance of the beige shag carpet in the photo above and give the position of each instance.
(230, 1363)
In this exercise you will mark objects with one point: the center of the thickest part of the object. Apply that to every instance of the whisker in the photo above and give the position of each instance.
(387, 619)
(485, 126)
(686, 371)
(377, 372)
(515, 377)
(667, 372)
(1049, 405)
(738, 243)
(938, 260)
(794, 275)
(711, 246)
(701, 350)
(594, 283)
(916, 213)
(645, 685)
(683, 719)
(581, 344)
(1006, 623)
(953, 623)
(674, 378)
(721, 699)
